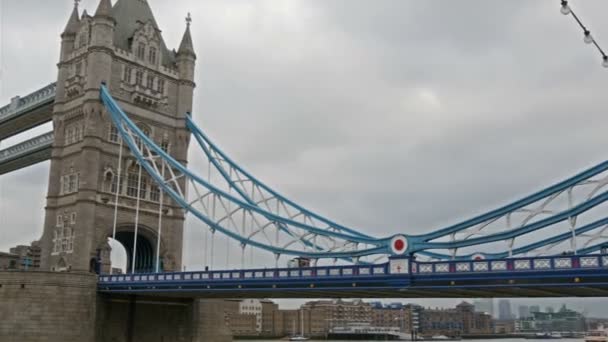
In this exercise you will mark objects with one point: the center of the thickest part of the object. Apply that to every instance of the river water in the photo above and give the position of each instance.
(481, 340)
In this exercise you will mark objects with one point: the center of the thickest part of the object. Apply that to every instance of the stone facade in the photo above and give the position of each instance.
(121, 46)
(43, 306)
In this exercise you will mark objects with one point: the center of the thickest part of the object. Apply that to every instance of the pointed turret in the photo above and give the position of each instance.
(73, 22)
(104, 9)
(186, 47)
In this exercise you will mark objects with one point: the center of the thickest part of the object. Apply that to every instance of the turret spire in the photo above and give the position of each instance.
(74, 21)
(186, 47)
(104, 9)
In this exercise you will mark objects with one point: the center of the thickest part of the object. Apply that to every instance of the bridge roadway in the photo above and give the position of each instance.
(27, 153)
(27, 112)
(562, 276)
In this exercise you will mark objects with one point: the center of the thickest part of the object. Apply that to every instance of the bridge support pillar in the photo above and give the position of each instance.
(208, 323)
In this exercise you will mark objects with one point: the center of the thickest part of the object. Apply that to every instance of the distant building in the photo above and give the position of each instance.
(484, 305)
(9, 261)
(463, 320)
(504, 327)
(392, 315)
(565, 320)
(534, 308)
(549, 309)
(252, 307)
(504, 310)
(29, 256)
(523, 311)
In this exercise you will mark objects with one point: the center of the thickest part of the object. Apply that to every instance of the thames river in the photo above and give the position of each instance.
(476, 340)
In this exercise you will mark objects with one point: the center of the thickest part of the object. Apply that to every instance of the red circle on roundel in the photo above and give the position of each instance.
(399, 245)
(478, 257)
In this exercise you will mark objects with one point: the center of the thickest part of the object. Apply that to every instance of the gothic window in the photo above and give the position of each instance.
(115, 185)
(150, 82)
(164, 145)
(154, 193)
(73, 134)
(152, 55)
(79, 69)
(63, 240)
(139, 78)
(83, 39)
(108, 181)
(59, 221)
(143, 189)
(70, 183)
(141, 50)
(113, 135)
(73, 218)
(132, 184)
(127, 75)
(161, 86)
(145, 130)
(69, 135)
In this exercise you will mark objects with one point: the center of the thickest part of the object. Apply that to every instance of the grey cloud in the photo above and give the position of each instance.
(396, 116)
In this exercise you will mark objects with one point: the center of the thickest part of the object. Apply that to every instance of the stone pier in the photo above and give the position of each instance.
(65, 307)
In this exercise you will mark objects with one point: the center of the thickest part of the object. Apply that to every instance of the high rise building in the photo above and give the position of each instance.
(524, 311)
(504, 309)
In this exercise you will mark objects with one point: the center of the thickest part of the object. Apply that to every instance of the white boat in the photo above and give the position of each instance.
(364, 330)
(598, 335)
(299, 338)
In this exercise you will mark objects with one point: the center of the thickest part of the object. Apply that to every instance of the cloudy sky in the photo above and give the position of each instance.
(392, 115)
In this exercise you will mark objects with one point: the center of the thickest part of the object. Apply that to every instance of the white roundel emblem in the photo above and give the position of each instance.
(399, 245)
(478, 257)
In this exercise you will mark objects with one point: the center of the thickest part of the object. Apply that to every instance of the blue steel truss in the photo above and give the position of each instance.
(565, 217)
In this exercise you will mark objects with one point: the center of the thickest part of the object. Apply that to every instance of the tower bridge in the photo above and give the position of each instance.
(122, 125)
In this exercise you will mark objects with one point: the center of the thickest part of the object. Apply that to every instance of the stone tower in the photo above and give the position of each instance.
(120, 45)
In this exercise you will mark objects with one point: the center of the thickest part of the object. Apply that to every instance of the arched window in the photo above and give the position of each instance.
(152, 55)
(108, 181)
(141, 50)
(161, 86)
(127, 75)
(150, 82)
(139, 78)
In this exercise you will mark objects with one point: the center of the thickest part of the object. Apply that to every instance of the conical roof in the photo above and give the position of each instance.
(186, 47)
(128, 15)
(104, 9)
(73, 22)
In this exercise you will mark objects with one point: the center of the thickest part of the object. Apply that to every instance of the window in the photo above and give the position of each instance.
(143, 189)
(79, 69)
(70, 183)
(164, 145)
(161, 86)
(115, 185)
(59, 220)
(139, 77)
(83, 40)
(73, 218)
(152, 55)
(69, 135)
(150, 82)
(73, 183)
(132, 184)
(63, 241)
(127, 75)
(113, 135)
(154, 193)
(141, 51)
(73, 134)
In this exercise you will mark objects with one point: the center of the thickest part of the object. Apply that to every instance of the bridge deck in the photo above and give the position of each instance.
(27, 112)
(27, 153)
(564, 276)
